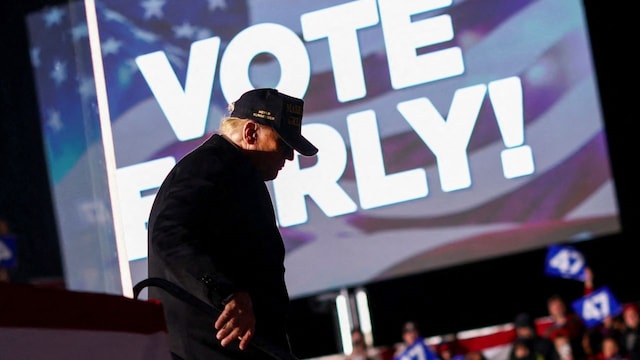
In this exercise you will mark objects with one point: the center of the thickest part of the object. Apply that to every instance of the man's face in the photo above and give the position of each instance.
(556, 307)
(271, 153)
(609, 347)
(357, 340)
(631, 318)
(521, 351)
(410, 336)
(524, 332)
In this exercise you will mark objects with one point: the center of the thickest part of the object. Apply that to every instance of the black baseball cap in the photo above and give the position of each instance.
(280, 111)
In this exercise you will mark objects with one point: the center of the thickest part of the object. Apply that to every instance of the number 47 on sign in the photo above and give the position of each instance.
(565, 262)
(595, 307)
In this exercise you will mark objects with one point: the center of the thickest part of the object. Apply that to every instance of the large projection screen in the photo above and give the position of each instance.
(448, 131)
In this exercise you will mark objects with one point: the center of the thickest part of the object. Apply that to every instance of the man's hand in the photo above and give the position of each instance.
(236, 321)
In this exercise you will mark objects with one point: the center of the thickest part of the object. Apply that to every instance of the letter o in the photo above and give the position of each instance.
(275, 39)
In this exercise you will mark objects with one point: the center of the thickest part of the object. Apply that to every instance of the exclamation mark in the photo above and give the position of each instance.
(506, 98)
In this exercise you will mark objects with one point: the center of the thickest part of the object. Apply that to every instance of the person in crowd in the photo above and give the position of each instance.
(610, 350)
(450, 350)
(562, 345)
(212, 232)
(611, 325)
(521, 350)
(565, 323)
(413, 345)
(631, 333)
(360, 349)
(4, 274)
(526, 332)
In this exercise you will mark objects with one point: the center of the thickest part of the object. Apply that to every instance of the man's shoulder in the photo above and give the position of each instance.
(216, 148)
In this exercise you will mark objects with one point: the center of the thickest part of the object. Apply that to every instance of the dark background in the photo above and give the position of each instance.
(444, 301)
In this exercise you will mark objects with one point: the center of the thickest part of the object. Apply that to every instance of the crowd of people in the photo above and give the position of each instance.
(617, 337)
(562, 335)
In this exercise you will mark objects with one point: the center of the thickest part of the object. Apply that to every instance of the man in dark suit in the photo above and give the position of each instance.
(212, 231)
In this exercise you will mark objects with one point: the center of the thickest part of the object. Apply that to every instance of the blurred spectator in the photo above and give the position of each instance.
(527, 335)
(610, 350)
(565, 323)
(611, 326)
(4, 226)
(450, 350)
(631, 332)
(562, 345)
(522, 350)
(414, 346)
(4, 274)
(360, 349)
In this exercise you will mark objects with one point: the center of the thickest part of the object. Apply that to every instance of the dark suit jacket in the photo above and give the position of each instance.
(212, 230)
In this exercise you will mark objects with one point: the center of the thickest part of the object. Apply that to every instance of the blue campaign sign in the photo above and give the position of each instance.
(593, 308)
(566, 262)
(7, 251)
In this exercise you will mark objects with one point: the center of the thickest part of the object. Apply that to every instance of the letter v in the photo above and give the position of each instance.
(186, 109)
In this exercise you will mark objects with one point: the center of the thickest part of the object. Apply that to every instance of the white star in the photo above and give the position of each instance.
(35, 57)
(54, 121)
(185, 30)
(53, 16)
(59, 72)
(86, 87)
(111, 46)
(153, 8)
(214, 4)
(79, 31)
